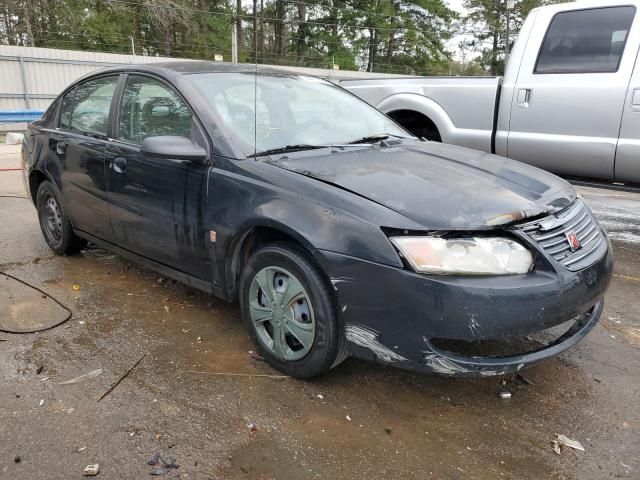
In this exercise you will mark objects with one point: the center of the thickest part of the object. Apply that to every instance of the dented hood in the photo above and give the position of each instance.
(439, 186)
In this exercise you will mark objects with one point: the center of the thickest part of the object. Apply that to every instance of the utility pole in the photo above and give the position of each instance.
(133, 50)
(234, 44)
(510, 6)
(239, 42)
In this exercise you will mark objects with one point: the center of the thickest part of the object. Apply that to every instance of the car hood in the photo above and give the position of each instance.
(438, 186)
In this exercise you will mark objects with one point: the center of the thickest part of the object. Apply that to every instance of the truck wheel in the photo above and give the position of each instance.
(289, 311)
(54, 222)
(418, 124)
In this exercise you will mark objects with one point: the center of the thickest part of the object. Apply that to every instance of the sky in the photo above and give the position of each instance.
(456, 5)
(452, 44)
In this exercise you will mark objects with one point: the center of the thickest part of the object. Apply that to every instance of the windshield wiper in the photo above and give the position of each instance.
(304, 146)
(286, 149)
(375, 138)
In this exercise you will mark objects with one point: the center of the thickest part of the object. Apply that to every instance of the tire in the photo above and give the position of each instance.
(300, 301)
(54, 222)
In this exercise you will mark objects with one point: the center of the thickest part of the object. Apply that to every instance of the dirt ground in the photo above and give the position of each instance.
(186, 398)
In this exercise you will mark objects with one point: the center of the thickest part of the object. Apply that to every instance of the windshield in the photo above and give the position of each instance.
(269, 112)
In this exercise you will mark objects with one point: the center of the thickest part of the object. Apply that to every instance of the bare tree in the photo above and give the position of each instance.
(164, 14)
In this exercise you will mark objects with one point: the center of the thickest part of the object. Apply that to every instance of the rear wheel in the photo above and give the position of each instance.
(289, 311)
(54, 222)
(418, 124)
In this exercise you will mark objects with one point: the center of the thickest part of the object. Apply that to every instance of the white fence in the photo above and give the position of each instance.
(30, 77)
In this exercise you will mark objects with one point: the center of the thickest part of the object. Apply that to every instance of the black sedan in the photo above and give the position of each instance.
(338, 232)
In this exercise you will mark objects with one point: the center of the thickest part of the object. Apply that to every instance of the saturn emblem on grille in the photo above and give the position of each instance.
(574, 241)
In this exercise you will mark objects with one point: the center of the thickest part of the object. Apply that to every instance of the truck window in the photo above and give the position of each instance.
(585, 41)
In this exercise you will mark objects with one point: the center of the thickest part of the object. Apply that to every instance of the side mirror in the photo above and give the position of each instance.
(160, 111)
(172, 148)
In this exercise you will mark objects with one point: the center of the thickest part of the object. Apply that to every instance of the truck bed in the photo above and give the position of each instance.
(462, 108)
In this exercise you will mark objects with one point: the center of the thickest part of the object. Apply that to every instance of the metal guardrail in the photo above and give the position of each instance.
(20, 116)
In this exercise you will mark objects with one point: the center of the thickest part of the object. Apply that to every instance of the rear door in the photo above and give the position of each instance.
(79, 145)
(569, 98)
(157, 205)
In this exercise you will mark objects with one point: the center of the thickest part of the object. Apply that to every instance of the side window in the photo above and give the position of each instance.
(65, 111)
(86, 108)
(585, 41)
(149, 108)
(48, 117)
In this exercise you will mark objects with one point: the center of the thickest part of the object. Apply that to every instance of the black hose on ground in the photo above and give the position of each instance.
(46, 295)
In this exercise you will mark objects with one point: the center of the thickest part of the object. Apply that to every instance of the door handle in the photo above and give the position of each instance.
(61, 148)
(635, 100)
(119, 165)
(524, 97)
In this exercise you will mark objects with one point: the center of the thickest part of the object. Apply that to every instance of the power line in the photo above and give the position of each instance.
(322, 60)
(339, 9)
(269, 19)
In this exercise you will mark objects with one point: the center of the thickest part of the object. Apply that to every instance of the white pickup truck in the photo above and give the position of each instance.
(569, 101)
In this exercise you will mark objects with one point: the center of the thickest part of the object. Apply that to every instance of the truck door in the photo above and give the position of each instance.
(569, 95)
(627, 164)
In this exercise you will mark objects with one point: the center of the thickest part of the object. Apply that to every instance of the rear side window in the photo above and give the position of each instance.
(67, 107)
(149, 109)
(49, 116)
(586, 41)
(86, 109)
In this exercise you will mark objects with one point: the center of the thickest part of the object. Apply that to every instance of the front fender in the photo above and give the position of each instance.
(249, 194)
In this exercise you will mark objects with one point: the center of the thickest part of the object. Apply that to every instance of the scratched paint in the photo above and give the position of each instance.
(335, 281)
(442, 365)
(474, 326)
(368, 338)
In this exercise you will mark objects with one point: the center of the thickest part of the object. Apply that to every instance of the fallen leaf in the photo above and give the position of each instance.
(562, 440)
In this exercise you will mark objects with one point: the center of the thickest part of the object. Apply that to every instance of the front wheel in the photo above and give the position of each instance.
(290, 312)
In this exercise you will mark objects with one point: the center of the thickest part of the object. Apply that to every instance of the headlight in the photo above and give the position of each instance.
(470, 256)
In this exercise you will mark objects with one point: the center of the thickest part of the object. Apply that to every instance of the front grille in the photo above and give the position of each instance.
(552, 235)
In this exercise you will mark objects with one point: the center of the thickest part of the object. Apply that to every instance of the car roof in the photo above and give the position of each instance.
(190, 67)
(195, 66)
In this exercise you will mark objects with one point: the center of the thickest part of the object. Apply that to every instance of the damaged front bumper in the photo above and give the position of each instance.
(398, 317)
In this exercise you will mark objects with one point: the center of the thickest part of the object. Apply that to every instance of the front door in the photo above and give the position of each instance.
(79, 145)
(568, 99)
(157, 205)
